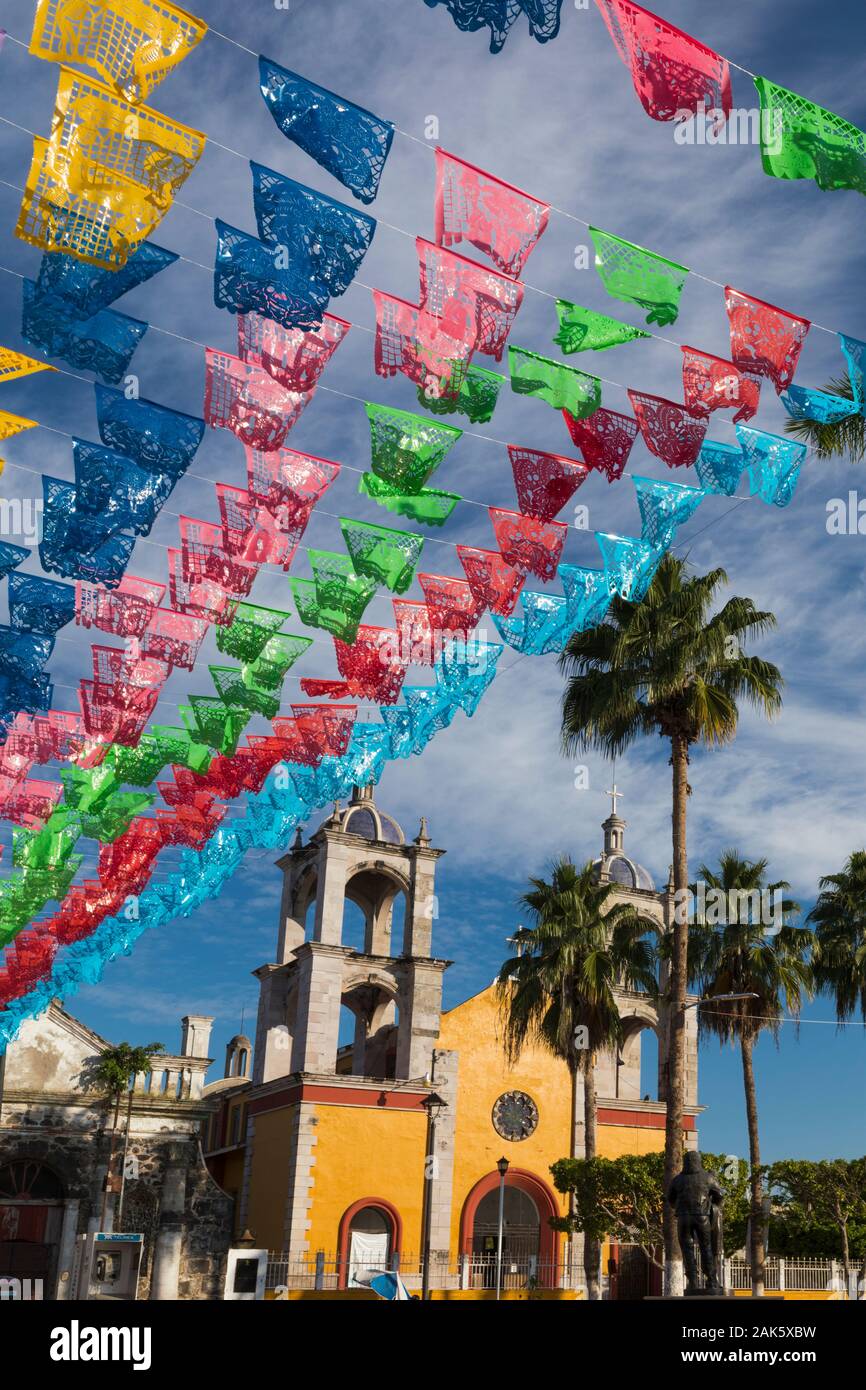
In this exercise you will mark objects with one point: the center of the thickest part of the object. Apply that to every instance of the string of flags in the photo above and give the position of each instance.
(279, 285)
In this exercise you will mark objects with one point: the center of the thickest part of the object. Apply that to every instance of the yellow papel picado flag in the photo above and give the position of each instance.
(13, 424)
(131, 43)
(107, 175)
(15, 364)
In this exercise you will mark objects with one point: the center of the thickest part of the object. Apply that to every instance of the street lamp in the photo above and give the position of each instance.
(502, 1165)
(434, 1105)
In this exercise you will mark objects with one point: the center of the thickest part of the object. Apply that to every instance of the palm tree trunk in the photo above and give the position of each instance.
(675, 1080)
(109, 1173)
(590, 1125)
(756, 1254)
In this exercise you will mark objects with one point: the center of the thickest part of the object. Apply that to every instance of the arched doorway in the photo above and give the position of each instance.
(529, 1247)
(369, 1238)
(31, 1217)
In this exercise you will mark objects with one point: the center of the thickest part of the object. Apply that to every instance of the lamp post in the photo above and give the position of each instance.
(716, 999)
(502, 1165)
(433, 1105)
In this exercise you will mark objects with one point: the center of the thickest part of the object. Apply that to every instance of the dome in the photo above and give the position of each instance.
(362, 817)
(624, 871)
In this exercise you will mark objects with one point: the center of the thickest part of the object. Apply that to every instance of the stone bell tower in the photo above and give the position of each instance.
(393, 987)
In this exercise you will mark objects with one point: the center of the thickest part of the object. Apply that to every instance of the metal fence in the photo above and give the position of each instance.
(322, 1270)
(800, 1274)
(328, 1271)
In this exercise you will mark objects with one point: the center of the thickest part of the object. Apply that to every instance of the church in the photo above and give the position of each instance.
(373, 1152)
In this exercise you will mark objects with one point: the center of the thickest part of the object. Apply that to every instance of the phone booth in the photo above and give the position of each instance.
(107, 1266)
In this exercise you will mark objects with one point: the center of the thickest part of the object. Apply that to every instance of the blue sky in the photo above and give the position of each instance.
(562, 121)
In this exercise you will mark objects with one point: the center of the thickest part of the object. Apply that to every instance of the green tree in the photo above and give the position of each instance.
(113, 1074)
(622, 1199)
(752, 950)
(839, 919)
(830, 1191)
(844, 439)
(672, 667)
(559, 991)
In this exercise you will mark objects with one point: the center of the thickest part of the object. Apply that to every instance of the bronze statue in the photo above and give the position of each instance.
(697, 1199)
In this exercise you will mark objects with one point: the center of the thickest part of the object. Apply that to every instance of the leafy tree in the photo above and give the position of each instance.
(113, 1074)
(669, 666)
(839, 918)
(560, 990)
(767, 961)
(622, 1199)
(844, 439)
(828, 1192)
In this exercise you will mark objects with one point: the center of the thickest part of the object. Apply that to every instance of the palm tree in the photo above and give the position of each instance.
(666, 666)
(560, 990)
(765, 957)
(844, 438)
(839, 917)
(113, 1074)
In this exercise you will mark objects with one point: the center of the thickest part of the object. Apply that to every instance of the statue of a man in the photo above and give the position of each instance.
(695, 1195)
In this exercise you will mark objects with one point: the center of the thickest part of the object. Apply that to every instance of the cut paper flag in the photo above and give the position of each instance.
(250, 275)
(11, 556)
(378, 553)
(85, 210)
(40, 605)
(427, 507)
(85, 289)
(800, 140)
(500, 15)
(588, 596)
(854, 352)
(720, 467)
(765, 340)
(337, 596)
(605, 440)
(773, 464)
(664, 507)
(494, 583)
(289, 484)
(451, 607)
(372, 666)
(78, 545)
(544, 482)
(584, 330)
(132, 44)
(103, 344)
(497, 219)
(351, 143)
(11, 426)
(432, 352)
(670, 431)
(249, 402)
(539, 628)
(674, 76)
(294, 357)
(804, 403)
(109, 485)
(563, 387)
(330, 237)
(637, 276)
(156, 437)
(710, 383)
(14, 364)
(405, 450)
(476, 398)
(471, 15)
(492, 298)
(527, 544)
(91, 124)
(629, 565)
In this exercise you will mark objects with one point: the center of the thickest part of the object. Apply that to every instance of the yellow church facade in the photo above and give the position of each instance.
(345, 1158)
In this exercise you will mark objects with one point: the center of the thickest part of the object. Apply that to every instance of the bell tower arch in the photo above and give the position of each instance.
(393, 986)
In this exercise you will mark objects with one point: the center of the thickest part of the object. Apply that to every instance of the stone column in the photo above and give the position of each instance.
(420, 1006)
(169, 1240)
(330, 890)
(66, 1249)
(320, 989)
(273, 1049)
(444, 1080)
